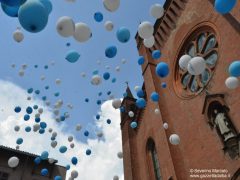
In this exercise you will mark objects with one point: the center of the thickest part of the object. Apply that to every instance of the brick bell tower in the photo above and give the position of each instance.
(197, 108)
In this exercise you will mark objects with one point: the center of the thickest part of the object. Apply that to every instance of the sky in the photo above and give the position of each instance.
(46, 46)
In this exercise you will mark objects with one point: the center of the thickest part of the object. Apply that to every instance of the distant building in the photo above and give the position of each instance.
(200, 109)
(27, 169)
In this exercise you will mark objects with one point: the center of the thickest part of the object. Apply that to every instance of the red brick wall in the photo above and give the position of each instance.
(200, 147)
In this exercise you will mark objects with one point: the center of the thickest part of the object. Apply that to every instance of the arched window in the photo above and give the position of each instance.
(153, 163)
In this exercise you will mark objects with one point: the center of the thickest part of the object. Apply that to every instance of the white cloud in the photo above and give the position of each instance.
(103, 163)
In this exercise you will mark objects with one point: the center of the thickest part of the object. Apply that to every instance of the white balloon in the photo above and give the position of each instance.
(70, 138)
(117, 68)
(13, 162)
(83, 74)
(157, 111)
(111, 5)
(149, 42)
(54, 134)
(74, 174)
(58, 81)
(232, 82)
(65, 26)
(107, 67)
(40, 110)
(174, 139)
(78, 127)
(42, 78)
(29, 98)
(157, 11)
(50, 130)
(17, 128)
(109, 25)
(145, 30)
(196, 65)
(96, 80)
(116, 103)
(99, 134)
(183, 61)
(120, 155)
(72, 145)
(124, 61)
(165, 125)
(13, 65)
(36, 127)
(17, 147)
(54, 144)
(18, 36)
(131, 114)
(52, 63)
(115, 178)
(21, 73)
(51, 160)
(24, 66)
(82, 32)
(136, 88)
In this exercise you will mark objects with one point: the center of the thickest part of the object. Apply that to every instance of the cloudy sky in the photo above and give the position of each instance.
(47, 46)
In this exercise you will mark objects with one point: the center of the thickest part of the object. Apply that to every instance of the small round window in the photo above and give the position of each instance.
(201, 43)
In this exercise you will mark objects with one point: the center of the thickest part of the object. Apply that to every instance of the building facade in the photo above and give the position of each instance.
(200, 109)
(27, 169)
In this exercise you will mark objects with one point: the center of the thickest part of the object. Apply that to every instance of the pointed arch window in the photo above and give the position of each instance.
(153, 162)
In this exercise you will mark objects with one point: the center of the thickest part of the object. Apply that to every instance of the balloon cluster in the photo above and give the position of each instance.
(232, 82)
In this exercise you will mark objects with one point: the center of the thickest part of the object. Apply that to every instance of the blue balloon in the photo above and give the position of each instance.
(154, 97)
(74, 160)
(29, 110)
(53, 138)
(19, 141)
(86, 133)
(164, 85)
(109, 121)
(156, 54)
(68, 167)
(99, 102)
(98, 16)
(30, 90)
(28, 129)
(43, 125)
(37, 119)
(88, 152)
(37, 91)
(125, 94)
(11, 11)
(63, 149)
(41, 131)
(123, 34)
(33, 16)
(72, 56)
(46, 87)
(86, 100)
(17, 109)
(62, 118)
(35, 107)
(36, 66)
(114, 80)
(26, 117)
(106, 75)
(100, 93)
(133, 125)
(44, 98)
(141, 60)
(122, 109)
(57, 178)
(162, 69)
(68, 44)
(48, 5)
(109, 92)
(140, 103)
(13, 2)
(56, 94)
(140, 93)
(95, 72)
(234, 69)
(37, 160)
(224, 6)
(44, 172)
(111, 51)
(98, 116)
(44, 155)
(46, 67)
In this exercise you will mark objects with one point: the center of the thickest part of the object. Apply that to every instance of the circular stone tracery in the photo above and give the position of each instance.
(203, 43)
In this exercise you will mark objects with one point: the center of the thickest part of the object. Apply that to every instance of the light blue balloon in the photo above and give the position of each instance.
(44, 155)
(133, 125)
(98, 16)
(234, 69)
(111, 51)
(162, 69)
(33, 16)
(141, 60)
(48, 5)
(11, 11)
(140, 103)
(123, 35)
(72, 56)
(154, 97)
(44, 172)
(224, 6)
(19, 141)
(63, 149)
